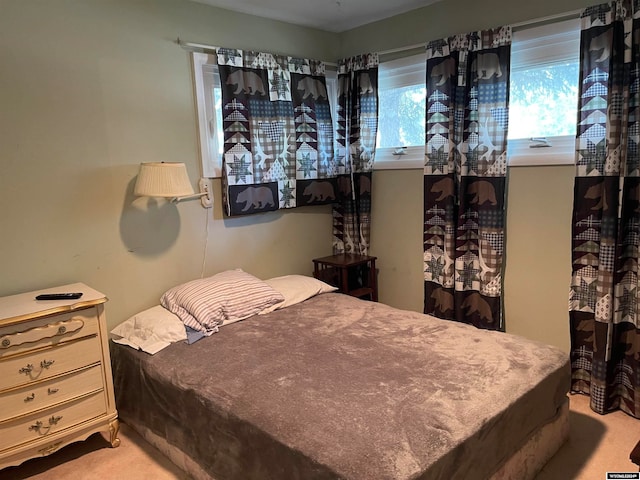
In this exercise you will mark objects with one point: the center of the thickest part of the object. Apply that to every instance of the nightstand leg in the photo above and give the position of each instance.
(114, 427)
(373, 280)
(344, 283)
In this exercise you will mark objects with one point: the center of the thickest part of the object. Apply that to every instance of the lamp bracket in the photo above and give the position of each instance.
(205, 189)
(205, 194)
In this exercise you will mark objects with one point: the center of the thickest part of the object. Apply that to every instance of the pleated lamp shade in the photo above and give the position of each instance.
(163, 179)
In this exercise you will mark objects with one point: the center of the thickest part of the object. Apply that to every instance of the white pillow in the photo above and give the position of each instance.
(150, 330)
(296, 289)
(224, 298)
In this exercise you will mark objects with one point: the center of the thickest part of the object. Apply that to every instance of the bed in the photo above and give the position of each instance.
(335, 387)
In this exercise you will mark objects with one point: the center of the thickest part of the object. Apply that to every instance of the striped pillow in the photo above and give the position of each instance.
(224, 298)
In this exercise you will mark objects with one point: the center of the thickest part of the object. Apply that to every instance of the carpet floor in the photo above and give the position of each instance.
(597, 445)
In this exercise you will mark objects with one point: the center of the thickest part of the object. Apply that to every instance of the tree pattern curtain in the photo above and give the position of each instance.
(465, 176)
(357, 119)
(278, 133)
(603, 304)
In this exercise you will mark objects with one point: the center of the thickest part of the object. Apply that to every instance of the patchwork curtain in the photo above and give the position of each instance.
(604, 317)
(357, 119)
(465, 176)
(278, 133)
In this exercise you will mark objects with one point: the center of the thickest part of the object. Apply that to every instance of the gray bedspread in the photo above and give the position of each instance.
(336, 387)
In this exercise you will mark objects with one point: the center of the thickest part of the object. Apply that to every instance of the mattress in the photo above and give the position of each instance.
(336, 387)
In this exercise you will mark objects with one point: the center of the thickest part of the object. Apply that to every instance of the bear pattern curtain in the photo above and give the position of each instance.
(603, 304)
(357, 120)
(278, 133)
(465, 176)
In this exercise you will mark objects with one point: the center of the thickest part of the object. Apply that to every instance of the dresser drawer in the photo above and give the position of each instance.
(48, 422)
(41, 395)
(47, 331)
(48, 362)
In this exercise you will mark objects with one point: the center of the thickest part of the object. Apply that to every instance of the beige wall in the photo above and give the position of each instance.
(88, 90)
(91, 88)
(538, 253)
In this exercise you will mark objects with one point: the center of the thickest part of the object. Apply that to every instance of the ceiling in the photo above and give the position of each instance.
(329, 15)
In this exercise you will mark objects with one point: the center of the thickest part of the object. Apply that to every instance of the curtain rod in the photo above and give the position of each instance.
(550, 18)
(415, 46)
(192, 45)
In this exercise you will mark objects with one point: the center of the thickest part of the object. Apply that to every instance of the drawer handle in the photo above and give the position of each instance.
(51, 391)
(54, 420)
(38, 426)
(50, 449)
(30, 397)
(45, 364)
(36, 334)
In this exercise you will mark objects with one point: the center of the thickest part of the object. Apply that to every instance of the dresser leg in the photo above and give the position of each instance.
(114, 426)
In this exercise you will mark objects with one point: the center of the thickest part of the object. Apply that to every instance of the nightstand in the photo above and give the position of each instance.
(353, 274)
(55, 373)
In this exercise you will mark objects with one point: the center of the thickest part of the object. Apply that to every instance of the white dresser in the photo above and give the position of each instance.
(55, 373)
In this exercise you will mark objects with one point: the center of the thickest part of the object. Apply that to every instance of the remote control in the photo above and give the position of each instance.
(59, 296)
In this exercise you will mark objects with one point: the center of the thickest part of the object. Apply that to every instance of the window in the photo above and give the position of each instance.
(401, 123)
(543, 101)
(209, 106)
(208, 94)
(543, 96)
(331, 77)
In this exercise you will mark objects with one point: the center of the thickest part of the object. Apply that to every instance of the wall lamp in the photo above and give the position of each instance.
(170, 180)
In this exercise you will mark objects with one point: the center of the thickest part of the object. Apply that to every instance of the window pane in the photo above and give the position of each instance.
(217, 99)
(401, 116)
(543, 101)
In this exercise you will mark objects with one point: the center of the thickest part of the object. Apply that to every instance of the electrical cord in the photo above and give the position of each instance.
(207, 212)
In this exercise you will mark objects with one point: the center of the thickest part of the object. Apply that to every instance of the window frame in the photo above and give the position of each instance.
(205, 80)
(536, 46)
(402, 72)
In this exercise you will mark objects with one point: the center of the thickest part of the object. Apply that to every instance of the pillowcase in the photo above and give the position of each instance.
(227, 297)
(296, 289)
(150, 330)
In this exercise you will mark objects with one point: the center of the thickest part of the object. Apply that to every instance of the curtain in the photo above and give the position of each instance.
(357, 127)
(603, 304)
(465, 176)
(278, 133)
